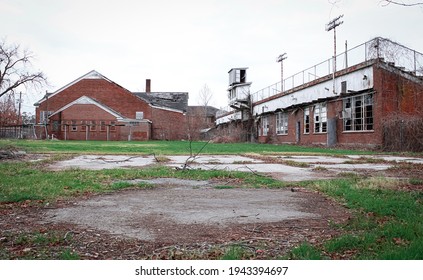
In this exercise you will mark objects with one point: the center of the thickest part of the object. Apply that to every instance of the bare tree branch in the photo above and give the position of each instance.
(16, 69)
(387, 2)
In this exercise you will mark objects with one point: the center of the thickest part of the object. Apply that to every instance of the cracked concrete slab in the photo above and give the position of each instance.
(320, 167)
(144, 213)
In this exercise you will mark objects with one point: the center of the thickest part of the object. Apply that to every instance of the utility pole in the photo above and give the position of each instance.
(280, 59)
(332, 25)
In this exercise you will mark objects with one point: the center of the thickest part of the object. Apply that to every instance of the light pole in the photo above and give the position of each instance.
(280, 59)
(332, 25)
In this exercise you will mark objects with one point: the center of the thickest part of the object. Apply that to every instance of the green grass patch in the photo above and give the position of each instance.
(234, 253)
(305, 251)
(164, 148)
(386, 223)
(21, 181)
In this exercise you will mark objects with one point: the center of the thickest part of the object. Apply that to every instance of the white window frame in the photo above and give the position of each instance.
(265, 126)
(320, 118)
(282, 123)
(139, 115)
(307, 120)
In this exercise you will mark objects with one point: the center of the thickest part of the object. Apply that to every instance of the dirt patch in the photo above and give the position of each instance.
(192, 224)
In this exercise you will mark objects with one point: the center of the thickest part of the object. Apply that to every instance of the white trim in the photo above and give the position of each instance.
(135, 120)
(85, 100)
(166, 108)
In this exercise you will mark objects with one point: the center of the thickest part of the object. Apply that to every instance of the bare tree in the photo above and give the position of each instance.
(16, 69)
(205, 95)
(401, 3)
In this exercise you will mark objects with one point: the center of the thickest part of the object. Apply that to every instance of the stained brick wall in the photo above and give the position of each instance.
(166, 124)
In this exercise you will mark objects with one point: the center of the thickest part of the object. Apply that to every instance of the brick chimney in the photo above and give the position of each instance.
(148, 85)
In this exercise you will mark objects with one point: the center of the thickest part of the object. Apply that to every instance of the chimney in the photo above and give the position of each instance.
(148, 86)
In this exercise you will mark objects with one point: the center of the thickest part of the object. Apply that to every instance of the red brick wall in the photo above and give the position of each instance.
(400, 92)
(103, 91)
(166, 124)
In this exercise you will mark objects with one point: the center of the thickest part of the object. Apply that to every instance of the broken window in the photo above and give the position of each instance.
(74, 127)
(320, 118)
(265, 126)
(306, 120)
(282, 123)
(358, 113)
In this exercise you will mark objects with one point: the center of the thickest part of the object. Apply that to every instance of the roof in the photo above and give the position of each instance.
(173, 100)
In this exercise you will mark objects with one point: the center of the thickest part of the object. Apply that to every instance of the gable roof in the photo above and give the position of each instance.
(85, 100)
(92, 75)
(171, 101)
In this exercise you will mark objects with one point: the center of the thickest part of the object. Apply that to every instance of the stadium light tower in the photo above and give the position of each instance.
(332, 25)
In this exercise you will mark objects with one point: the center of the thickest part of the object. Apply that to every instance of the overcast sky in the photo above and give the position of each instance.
(182, 45)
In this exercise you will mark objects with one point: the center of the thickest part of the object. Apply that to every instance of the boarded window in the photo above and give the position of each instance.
(92, 126)
(102, 126)
(139, 115)
(83, 126)
(112, 126)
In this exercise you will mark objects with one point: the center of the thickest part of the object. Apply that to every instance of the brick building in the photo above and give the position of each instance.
(95, 108)
(373, 84)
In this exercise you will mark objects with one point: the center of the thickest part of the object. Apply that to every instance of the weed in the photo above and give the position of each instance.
(305, 251)
(415, 181)
(67, 254)
(223, 187)
(162, 159)
(320, 168)
(233, 253)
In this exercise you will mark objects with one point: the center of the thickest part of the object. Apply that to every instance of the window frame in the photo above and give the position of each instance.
(358, 113)
(282, 123)
(265, 126)
(320, 118)
(307, 120)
